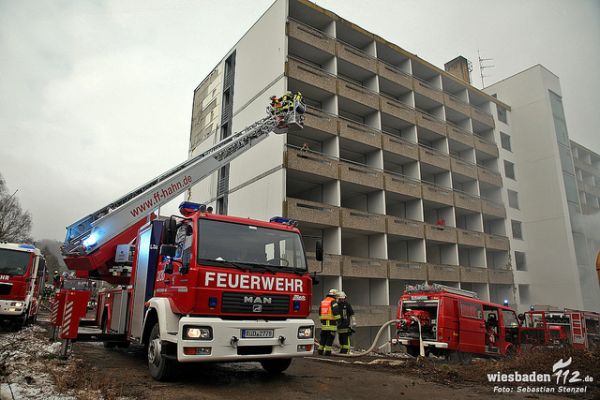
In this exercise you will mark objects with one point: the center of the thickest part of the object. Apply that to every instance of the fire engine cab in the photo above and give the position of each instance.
(454, 323)
(22, 277)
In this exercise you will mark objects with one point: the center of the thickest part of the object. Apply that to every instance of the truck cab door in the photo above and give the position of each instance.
(471, 325)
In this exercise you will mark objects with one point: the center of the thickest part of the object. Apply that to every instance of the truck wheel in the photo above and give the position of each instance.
(160, 368)
(277, 365)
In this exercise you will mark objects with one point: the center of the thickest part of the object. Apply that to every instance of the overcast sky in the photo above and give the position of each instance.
(96, 96)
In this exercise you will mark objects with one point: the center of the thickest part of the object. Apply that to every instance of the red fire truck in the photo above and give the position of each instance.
(454, 323)
(196, 288)
(22, 278)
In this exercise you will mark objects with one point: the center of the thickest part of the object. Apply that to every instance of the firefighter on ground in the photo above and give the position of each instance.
(346, 322)
(329, 314)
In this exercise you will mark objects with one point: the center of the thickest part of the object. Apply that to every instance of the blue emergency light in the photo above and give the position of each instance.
(90, 241)
(27, 246)
(188, 205)
(284, 221)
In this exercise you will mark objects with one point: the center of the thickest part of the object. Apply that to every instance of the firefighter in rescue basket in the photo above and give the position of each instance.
(329, 314)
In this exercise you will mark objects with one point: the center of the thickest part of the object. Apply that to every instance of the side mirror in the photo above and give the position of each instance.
(521, 317)
(168, 250)
(169, 231)
(185, 262)
(319, 251)
(315, 279)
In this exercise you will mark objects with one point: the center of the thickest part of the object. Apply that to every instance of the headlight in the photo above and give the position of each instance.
(305, 332)
(197, 333)
(17, 304)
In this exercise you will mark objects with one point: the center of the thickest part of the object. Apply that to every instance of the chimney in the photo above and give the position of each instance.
(460, 67)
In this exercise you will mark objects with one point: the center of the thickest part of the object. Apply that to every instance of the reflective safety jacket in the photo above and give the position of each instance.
(329, 310)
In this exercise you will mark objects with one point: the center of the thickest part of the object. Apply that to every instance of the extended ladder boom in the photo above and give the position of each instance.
(91, 232)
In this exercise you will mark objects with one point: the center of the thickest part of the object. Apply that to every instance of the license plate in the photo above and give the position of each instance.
(257, 333)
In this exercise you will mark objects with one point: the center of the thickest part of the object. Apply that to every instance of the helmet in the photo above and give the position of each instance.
(273, 97)
(332, 292)
(341, 295)
(56, 272)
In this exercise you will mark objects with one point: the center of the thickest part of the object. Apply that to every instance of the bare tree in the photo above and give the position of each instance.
(15, 224)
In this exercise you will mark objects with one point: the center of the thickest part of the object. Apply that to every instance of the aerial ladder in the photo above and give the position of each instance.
(91, 243)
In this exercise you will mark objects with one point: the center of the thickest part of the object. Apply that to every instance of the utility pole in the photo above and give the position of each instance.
(482, 67)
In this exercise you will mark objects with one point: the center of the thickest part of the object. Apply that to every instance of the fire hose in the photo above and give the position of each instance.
(374, 344)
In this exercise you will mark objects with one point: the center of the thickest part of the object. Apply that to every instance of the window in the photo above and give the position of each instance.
(509, 169)
(513, 199)
(471, 310)
(505, 140)
(517, 229)
(520, 261)
(524, 294)
(502, 114)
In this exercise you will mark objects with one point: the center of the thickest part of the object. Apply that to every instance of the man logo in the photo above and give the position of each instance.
(257, 308)
(257, 300)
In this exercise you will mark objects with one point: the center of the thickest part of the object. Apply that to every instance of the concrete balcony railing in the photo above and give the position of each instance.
(473, 274)
(358, 267)
(457, 105)
(400, 146)
(471, 238)
(493, 209)
(362, 221)
(496, 242)
(434, 157)
(403, 185)
(358, 94)
(311, 163)
(356, 57)
(482, 116)
(313, 212)
(440, 233)
(394, 75)
(311, 75)
(460, 135)
(501, 276)
(466, 202)
(320, 121)
(485, 146)
(404, 227)
(359, 133)
(437, 194)
(444, 273)
(409, 270)
(311, 36)
(398, 110)
(360, 175)
(488, 176)
(426, 90)
(431, 123)
(331, 266)
(463, 168)
(371, 315)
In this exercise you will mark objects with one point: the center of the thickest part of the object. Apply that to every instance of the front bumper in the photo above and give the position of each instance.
(225, 347)
(9, 309)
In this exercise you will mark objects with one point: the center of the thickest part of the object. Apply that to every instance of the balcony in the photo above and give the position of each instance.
(400, 146)
(311, 36)
(501, 276)
(311, 163)
(496, 242)
(360, 175)
(434, 157)
(407, 270)
(356, 57)
(311, 75)
(440, 233)
(320, 121)
(431, 123)
(489, 176)
(457, 105)
(473, 274)
(359, 133)
(358, 267)
(444, 273)
(362, 221)
(426, 90)
(372, 315)
(471, 238)
(486, 147)
(493, 209)
(438, 194)
(312, 212)
(467, 202)
(404, 227)
(358, 94)
(332, 264)
(463, 168)
(398, 110)
(483, 117)
(402, 185)
(460, 135)
(394, 75)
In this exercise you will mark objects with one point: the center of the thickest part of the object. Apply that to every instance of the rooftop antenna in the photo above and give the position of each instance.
(482, 66)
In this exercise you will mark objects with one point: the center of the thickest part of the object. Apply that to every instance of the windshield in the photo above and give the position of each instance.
(226, 241)
(13, 262)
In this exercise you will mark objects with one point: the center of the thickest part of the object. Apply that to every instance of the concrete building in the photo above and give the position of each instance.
(402, 178)
(553, 246)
